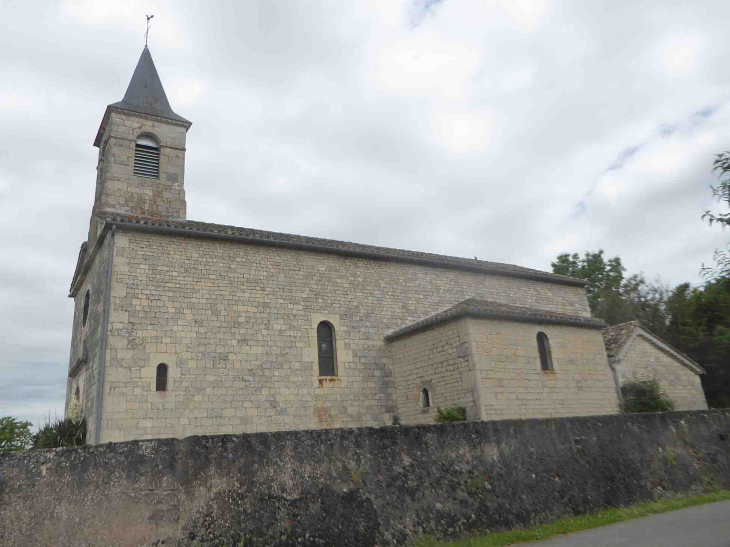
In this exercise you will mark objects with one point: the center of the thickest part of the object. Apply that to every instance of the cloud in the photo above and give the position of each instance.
(420, 9)
(511, 131)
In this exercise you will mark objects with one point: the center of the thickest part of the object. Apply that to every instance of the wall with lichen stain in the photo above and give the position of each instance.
(356, 487)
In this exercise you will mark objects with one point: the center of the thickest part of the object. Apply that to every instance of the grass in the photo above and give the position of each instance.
(583, 522)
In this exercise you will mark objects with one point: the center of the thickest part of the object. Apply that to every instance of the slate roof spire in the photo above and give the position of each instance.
(145, 93)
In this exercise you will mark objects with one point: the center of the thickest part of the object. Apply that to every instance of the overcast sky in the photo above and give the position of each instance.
(511, 131)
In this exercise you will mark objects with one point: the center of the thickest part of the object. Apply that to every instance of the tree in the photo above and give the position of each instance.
(604, 278)
(14, 435)
(612, 297)
(722, 193)
(699, 326)
(696, 321)
(646, 301)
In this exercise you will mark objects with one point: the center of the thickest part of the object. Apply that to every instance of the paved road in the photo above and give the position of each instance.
(700, 526)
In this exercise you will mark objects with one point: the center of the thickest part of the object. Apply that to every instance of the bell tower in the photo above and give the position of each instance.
(141, 142)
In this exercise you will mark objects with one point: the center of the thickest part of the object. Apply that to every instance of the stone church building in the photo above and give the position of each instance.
(184, 327)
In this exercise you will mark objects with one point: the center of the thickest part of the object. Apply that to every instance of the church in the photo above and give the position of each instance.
(185, 328)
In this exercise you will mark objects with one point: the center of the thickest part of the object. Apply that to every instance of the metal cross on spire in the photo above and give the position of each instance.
(146, 34)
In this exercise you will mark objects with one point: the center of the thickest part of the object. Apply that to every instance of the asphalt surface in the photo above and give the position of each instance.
(699, 526)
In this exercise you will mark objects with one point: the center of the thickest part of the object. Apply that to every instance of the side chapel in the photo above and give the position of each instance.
(183, 327)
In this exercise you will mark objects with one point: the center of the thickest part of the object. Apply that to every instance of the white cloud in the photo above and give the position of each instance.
(184, 92)
(130, 14)
(12, 100)
(464, 131)
(681, 54)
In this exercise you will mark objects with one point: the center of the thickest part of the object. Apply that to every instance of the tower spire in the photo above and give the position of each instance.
(141, 165)
(145, 93)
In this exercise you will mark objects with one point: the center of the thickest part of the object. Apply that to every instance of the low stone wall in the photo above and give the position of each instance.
(356, 487)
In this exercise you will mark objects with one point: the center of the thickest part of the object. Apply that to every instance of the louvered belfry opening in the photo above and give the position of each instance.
(147, 158)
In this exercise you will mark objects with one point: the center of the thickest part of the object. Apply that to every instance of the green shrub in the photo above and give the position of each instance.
(645, 396)
(448, 415)
(14, 435)
(58, 433)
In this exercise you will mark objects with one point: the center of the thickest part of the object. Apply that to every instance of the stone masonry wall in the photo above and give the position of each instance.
(236, 324)
(513, 384)
(681, 384)
(434, 360)
(356, 487)
(87, 375)
(119, 190)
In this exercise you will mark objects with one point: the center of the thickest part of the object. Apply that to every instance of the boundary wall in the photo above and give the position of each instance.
(356, 487)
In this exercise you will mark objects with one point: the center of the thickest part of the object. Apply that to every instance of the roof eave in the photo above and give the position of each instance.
(105, 119)
(170, 116)
(674, 352)
(471, 314)
(154, 228)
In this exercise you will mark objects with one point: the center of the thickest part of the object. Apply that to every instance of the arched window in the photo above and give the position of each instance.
(326, 349)
(77, 393)
(87, 297)
(543, 346)
(425, 398)
(147, 157)
(161, 384)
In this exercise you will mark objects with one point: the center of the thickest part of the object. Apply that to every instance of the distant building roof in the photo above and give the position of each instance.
(617, 337)
(484, 309)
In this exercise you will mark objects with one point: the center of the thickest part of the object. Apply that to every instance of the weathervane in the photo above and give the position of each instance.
(146, 34)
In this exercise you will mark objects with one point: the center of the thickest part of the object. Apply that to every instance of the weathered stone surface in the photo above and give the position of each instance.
(86, 376)
(236, 324)
(432, 360)
(119, 190)
(513, 384)
(645, 360)
(492, 368)
(369, 486)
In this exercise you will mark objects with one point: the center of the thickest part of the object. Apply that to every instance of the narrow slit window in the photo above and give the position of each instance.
(425, 398)
(147, 158)
(326, 349)
(161, 384)
(87, 297)
(543, 346)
